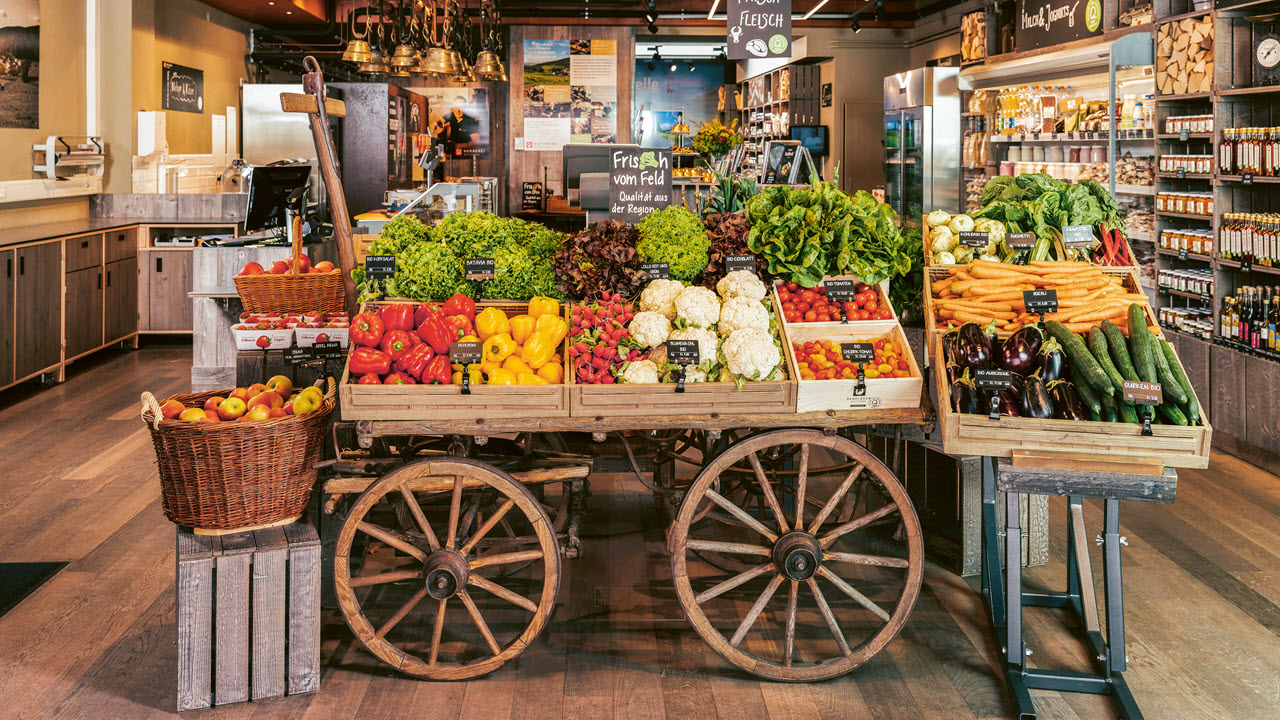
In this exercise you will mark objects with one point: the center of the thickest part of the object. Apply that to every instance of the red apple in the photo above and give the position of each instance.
(193, 415)
(323, 266)
(233, 408)
(241, 393)
(282, 386)
(270, 398)
(260, 412)
(212, 416)
(279, 267)
(171, 409)
(304, 262)
(252, 268)
(213, 403)
(253, 391)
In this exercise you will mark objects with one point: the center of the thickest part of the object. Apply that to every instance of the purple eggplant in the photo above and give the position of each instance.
(964, 396)
(1067, 404)
(949, 346)
(1010, 402)
(1053, 363)
(972, 348)
(1020, 353)
(994, 341)
(1035, 398)
(954, 372)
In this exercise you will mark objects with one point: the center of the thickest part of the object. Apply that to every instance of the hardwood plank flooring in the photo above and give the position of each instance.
(78, 484)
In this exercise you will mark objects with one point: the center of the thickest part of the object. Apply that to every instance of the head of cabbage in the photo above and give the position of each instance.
(963, 253)
(937, 218)
(960, 223)
(944, 243)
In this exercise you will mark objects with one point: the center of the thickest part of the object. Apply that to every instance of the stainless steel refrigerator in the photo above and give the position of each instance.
(922, 142)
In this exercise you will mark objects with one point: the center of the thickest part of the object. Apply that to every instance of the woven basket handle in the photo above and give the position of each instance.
(295, 229)
(149, 402)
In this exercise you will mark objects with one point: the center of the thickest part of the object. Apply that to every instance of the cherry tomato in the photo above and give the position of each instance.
(879, 343)
(784, 295)
(808, 296)
(871, 305)
(792, 316)
(821, 289)
(863, 315)
(788, 306)
(824, 317)
(792, 286)
(903, 365)
(884, 314)
(810, 316)
(861, 287)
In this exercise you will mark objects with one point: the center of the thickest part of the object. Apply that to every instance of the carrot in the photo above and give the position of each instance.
(962, 275)
(1058, 263)
(946, 314)
(1082, 327)
(972, 304)
(964, 285)
(982, 319)
(1003, 296)
(988, 269)
(942, 284)
(1002, 290)
(1099, 316)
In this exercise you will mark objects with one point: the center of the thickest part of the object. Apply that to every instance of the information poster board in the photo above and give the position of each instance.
(570, 92)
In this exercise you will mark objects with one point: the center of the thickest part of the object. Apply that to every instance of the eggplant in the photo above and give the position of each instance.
(1010, 402)
(993, 339)
(1067, 404)
(949, 347)
(972, 348)
(954, 372)
(1020, 353)
(1035, 399)
(1019, 382)
(964, 397)
(1053, 363)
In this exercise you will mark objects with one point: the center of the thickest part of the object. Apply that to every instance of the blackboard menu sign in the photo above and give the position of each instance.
(478, 268)
(993, 379)
(855, 352)
(1041, 23)
(331, 350)
(531, 196)
(778, 161)
(758, 29)
(181, 88)
(1019, 241)
(379, 267)
(1040, 301)
(1077, 236)
(974, 239)
(298, 355)
(639, 182)
(657, 270)
(733, 263)
(683, 352)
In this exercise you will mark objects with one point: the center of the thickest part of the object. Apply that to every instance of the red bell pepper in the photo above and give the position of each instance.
(438, 370)
(395, 343)
(399, 378)
(415, 360)
(366, 329)
(366, 360)
(369, 379)
(427, 310)
(461, 305)
(397, 316)
(435, 333)
(459, 325)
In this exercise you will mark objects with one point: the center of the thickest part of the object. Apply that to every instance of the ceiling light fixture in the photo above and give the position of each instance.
(814, 10)
(722, 56)
(653, 29)
(879, 14)
(691, 68)
(673, 67)
(857, 27)
(650, 65)
(714, 4)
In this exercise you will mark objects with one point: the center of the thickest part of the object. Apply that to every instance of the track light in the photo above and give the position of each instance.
(879, 14)
(857, 27)
(722, 57)
(650, 65)
(673, 67)
(653, 29)
(691, 68)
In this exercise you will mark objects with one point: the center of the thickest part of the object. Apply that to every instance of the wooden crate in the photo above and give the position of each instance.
(964, 434)
(446, 402)
(882, 291)
(248, 615)
(361, 245)
(816, 395)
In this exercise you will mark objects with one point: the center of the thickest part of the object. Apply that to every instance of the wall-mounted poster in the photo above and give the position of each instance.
(181, 88)
(660, 93)
(458, 117)
(826, 94)
(570, 92)
(19, 63)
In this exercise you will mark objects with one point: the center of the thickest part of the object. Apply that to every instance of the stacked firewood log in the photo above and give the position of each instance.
(1184, 56)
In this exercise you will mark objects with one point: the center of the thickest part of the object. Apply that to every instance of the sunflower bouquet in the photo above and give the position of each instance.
(715, 138)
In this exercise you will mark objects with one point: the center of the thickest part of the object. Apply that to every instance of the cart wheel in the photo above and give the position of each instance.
(412, 577)
(848, 587)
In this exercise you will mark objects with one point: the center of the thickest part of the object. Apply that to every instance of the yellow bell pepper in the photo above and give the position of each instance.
(491, 321)
(476, 377)
(552, 372)
(530, 379)
(502, 377)
(554, 326)
(516, 365)
(557, 359)
(539, 306)
(538, 349)
(522, 327)
(488, 366)
(498, 347)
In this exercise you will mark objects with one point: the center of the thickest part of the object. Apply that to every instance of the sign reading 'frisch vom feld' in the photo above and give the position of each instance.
(639, 182)
(1042, 23)
(758, 29)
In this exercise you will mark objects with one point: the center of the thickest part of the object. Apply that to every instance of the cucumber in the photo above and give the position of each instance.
(1127, 413)
(1119, 353)
(1109, 408)
(1074, 347)
(1140, 345)
(1087, 394)
(1169, 383)
(1098, 345)
(1174, 415)
(1193, 407)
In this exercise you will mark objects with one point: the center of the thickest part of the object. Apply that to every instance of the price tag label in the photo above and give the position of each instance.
(1206, 297)
(1184, 135)
(1040, 301)
(1182, 172)
(380, 267)
(1077, 235)
(465, 353)
(298, 355)
(1142, 393)
(734, 263)
(839, 291)
(657, 271)
(1022, 138)
(1246, 264)
(992, 379)
(327, 350)
(683, 352)
(974, 239)
(1035, 136)
(478, 268)
(858, 352)
(1246, 179)
(1020, 241)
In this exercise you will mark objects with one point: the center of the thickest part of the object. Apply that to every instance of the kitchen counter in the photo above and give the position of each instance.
(85, 226)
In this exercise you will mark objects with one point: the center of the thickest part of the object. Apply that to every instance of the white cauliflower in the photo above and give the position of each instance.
(698, 306)
(938, 218)
(708, 341)
(741, 312)
(751, 354)
(659, 296)
(695, 375)
(649, 328)
(741, 283)
(640, 372)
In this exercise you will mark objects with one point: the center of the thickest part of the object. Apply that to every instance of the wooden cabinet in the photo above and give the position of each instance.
(121, 244)
(167, 277)
(84, 311)
(37, 308)
(8, 270)
(121, 305)
(83, 252)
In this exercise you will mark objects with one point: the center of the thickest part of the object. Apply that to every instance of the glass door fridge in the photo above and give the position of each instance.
(922, 143)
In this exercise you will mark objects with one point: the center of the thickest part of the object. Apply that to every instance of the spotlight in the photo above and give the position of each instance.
(653, 29)
(650, 65)
(879, 15)
(722, 56)
(857, 27)
(691, 68)
(673, 67)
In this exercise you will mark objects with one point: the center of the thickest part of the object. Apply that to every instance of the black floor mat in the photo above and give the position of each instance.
(18, 580)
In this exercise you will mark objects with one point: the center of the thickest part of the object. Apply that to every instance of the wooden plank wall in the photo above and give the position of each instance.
(528, 166)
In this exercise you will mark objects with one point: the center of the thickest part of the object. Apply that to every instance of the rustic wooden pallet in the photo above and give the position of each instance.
(816, 395)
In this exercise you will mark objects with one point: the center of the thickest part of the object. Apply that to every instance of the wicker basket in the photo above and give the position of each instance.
(230, 475)
(292, 292)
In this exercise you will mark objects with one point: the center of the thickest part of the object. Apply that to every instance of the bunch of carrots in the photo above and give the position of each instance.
(983, 291)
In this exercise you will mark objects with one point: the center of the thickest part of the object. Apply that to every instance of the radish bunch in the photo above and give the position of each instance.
(599, 340)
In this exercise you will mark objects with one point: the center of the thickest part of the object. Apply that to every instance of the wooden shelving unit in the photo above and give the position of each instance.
(771, 103)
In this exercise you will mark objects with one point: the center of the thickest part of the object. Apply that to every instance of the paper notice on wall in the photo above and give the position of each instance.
(546, 133)
(593, 70)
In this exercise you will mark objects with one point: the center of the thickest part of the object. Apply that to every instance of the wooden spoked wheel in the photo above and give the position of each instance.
(818, 595)
(429, 600)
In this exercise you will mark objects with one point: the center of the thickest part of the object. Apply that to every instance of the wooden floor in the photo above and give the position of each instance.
(78, 484)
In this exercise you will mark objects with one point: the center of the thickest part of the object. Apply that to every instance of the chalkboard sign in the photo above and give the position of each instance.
(478, 268)
(758, 29)
(992, 379)
(657, 271)
(298, 355)
(181, 88)
(1041, 23)
(1142, 393)
(531, 196)
(639, 182)
(683, 352)
(826, 94)
(779, 158)
(1020, 241)
(858, 352)
(327, 350)
(839, 291)
(1040, 301)
(974, 239)
(733, 263)
(1077, 236)
(464, 353)
(379, 267)
(1182, 254)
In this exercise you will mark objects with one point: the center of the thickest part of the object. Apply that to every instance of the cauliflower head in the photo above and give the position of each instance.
(708, 341)
(649, 328)
(660, 296)
(640, 372)
(741, 312)
(693, 375)
(698, 306)
(751, 354)
(741, 283)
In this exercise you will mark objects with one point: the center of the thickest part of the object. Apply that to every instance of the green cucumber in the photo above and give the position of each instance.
(1109, 408)
(1087, 394)
(1169, 383)
(1193, 407)
(1119, 353)
(1127, 413)
(1174, 415)
(1098, 346)
(1140, 345)
(1074, 347)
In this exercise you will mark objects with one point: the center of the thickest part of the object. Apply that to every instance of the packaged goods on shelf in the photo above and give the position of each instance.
(1253, 150)
(1200, 164)
(1196, 282)
(1249, 319)
(1250, 236)
(1139, 222)
(1195, 242)
(1193, 321)
(1192, 124)
(1186, 203)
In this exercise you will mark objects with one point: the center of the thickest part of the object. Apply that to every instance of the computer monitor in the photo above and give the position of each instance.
(579, 158)
(813, 137)
(269, 190)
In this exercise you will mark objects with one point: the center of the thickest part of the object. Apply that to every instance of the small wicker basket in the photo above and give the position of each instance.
(232, 475)
(292, 292)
